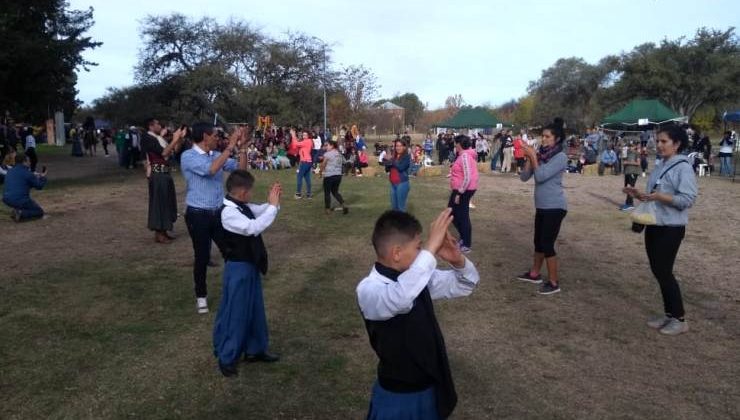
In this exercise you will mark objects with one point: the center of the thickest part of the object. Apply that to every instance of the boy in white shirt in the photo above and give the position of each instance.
(414, 379)
(241, 324)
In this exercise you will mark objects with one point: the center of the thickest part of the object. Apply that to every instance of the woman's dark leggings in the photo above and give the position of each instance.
(661, 244)
(546, 229)
(631, 180)
(331, 186)
(461, 215)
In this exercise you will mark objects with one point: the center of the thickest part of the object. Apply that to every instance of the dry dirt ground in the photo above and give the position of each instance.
(584, 353)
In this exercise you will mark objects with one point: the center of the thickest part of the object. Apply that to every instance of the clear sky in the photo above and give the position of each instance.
(488, 51)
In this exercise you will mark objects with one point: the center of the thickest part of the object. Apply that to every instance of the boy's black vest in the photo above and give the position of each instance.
(412, 351)
(235, 247)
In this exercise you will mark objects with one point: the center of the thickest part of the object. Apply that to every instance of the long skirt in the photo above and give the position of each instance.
(77, 148)
(162, 202)
(241, 324)
(386, 405)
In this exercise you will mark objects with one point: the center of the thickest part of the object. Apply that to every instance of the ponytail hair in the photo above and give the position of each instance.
(557, 128)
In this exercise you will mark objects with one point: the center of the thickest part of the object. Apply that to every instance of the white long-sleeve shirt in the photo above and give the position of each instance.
(381, 298)
(234, 221)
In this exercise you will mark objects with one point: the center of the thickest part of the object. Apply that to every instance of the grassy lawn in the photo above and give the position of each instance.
(98, 322)
(120, 338)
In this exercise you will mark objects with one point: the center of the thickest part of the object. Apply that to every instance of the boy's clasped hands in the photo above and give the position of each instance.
(441, 243)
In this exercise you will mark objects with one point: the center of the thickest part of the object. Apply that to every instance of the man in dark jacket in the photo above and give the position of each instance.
(18, 183)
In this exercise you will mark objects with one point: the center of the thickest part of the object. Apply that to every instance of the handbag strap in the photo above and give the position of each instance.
(662, 174)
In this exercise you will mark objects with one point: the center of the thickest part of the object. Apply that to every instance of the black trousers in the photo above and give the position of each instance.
(461, 215)
(202, 225)
(331, 187)
(133, 157)
(661, 244)
(546, 229)
(631, 180)
(31, 153)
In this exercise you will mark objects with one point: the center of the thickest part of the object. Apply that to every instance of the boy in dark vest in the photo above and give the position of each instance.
(241, 325)
(414, 380)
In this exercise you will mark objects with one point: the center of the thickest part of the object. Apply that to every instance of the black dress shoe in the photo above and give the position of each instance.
(228, 370)
(262, 357)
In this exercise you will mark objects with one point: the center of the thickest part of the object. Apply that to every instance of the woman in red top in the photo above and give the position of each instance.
(162, 198)
(304, 169)
(399, 174)
(519, 153)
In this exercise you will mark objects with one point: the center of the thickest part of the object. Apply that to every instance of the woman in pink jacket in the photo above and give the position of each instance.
(463, 183)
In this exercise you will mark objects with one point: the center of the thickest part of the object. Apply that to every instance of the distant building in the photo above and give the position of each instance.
(388, 118)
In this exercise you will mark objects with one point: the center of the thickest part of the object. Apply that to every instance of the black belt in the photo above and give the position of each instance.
(200, 210)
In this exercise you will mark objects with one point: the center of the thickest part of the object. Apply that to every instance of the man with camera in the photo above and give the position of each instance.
(17, 194)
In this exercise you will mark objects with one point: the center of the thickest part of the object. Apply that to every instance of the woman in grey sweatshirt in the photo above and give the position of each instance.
(547, 166)
(672, 187)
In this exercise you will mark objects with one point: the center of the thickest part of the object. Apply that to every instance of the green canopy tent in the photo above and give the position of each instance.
(641, 114)
(473, 118)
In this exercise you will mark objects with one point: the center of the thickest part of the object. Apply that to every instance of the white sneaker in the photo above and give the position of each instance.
(675, 327)
(658, 322)
(201, 305)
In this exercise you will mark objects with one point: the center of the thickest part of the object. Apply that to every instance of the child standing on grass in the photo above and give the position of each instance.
(241, 325)
(414, 379)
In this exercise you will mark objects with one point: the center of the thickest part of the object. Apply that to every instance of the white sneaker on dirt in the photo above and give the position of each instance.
(202, 305)
(658, 322)
(675, 327)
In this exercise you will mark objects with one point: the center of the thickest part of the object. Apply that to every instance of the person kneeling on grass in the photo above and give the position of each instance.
(241, 325)
(17, 193)
(414, 379)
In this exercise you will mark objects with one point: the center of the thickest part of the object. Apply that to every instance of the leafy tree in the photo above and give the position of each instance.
(684, 74)
(338, 109)
(360, 86)
(454, 102)
(524, 112)
(506, 111)
(569, 88)
(43, 42)
(413, 107)
(235, 70)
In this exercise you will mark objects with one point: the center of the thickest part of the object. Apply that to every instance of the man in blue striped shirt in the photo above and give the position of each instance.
(203, 168)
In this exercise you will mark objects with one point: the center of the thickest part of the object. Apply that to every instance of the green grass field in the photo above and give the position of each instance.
(99, 322)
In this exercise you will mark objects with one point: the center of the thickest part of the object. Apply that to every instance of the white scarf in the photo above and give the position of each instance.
(160, 139)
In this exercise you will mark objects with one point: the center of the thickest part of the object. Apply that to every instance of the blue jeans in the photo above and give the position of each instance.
(399, 194)
(725, 165)
(27, 208)
(304, 172)
(496, 156)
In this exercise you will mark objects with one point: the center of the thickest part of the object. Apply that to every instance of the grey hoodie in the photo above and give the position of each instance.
(680, 182)
(548, 183)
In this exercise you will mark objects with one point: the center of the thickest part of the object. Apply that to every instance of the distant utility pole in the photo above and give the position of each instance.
(323, 50)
